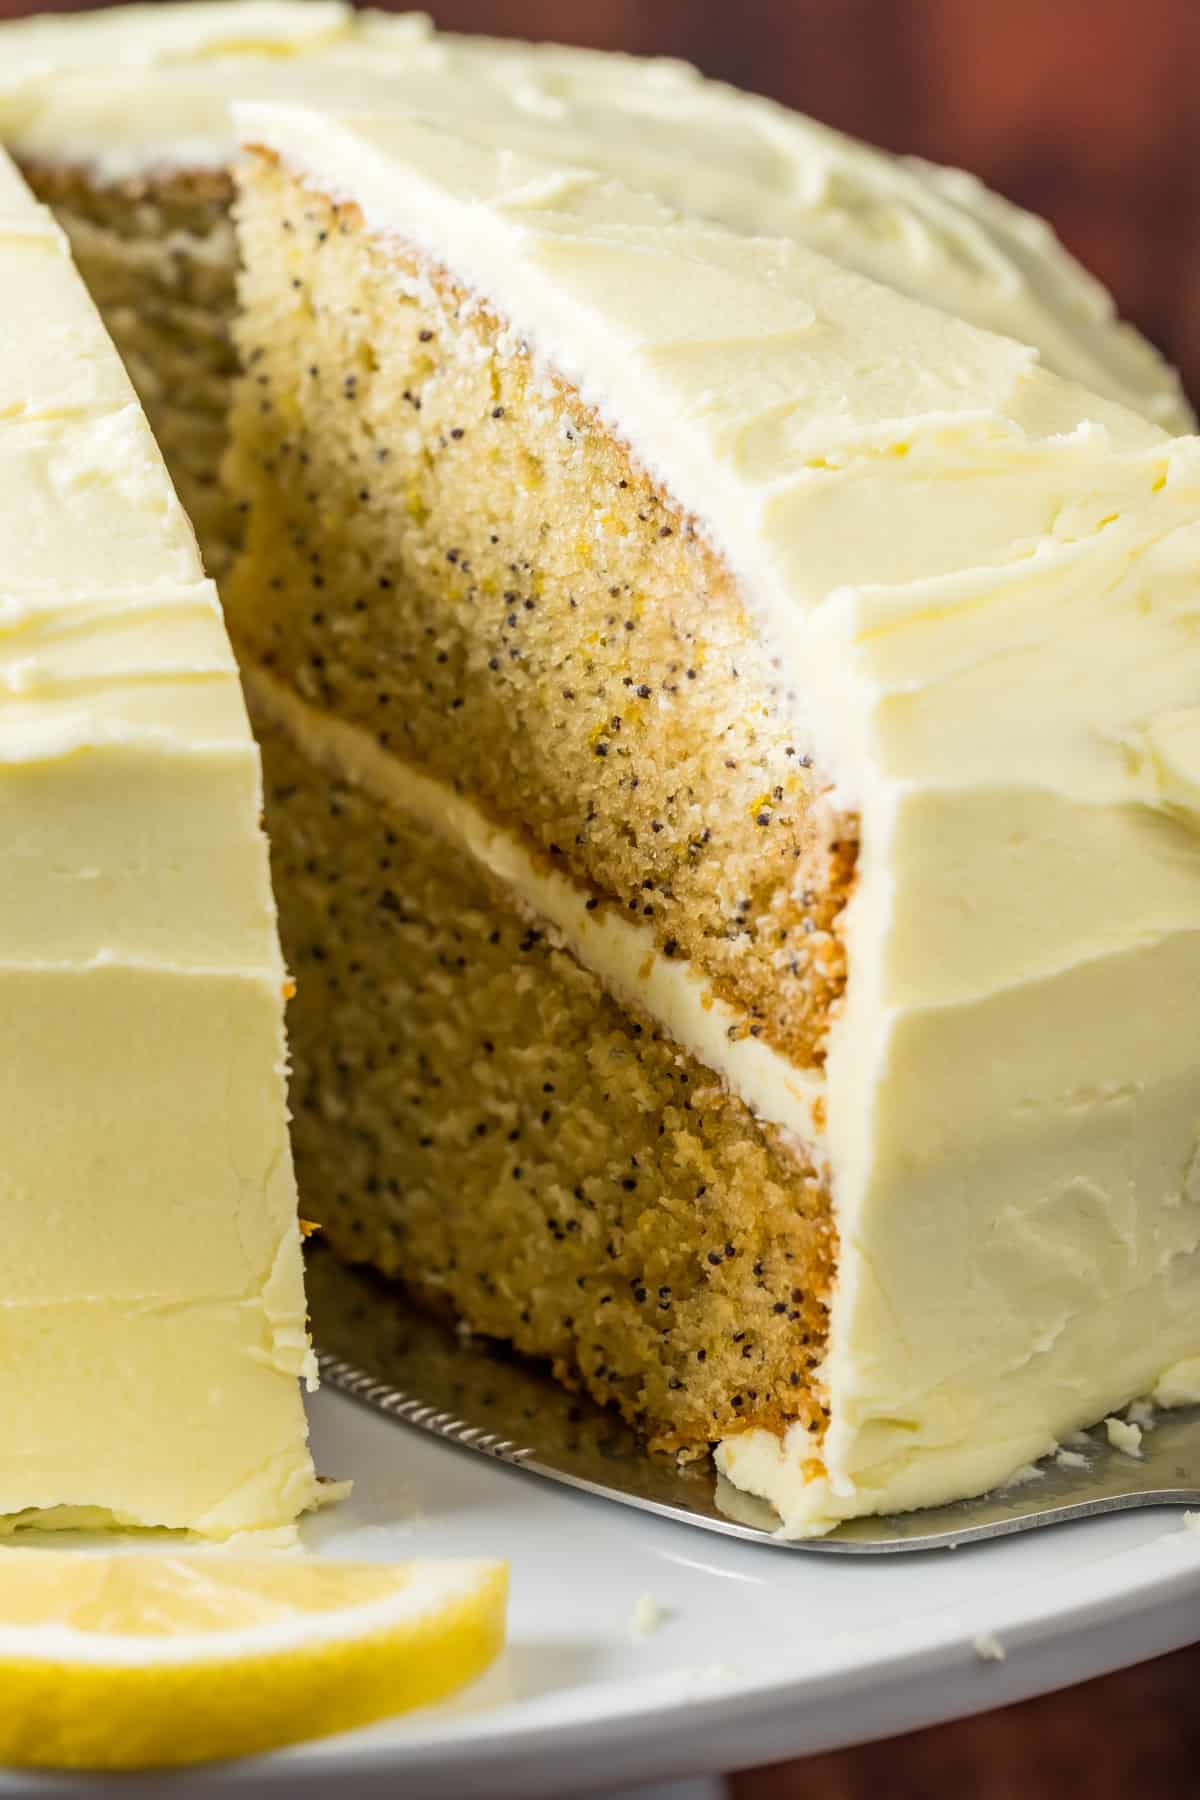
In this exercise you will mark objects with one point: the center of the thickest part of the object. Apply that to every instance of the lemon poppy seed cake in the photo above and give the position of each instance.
(731, 749)
(153, 1323)
(731, 758)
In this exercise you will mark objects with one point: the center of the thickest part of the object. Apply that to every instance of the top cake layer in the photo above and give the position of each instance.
(984, 580)
(151, 1248)
(139, 88)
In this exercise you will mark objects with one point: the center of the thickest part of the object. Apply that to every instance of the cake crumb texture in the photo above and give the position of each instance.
(475, 1115)
(445, 547)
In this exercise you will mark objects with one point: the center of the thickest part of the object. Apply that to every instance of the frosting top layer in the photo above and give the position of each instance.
(987, 581)
(140, 87)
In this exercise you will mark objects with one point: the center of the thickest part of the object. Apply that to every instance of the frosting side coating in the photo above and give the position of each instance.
(147, 1197)
(138, 88)
(998, 666)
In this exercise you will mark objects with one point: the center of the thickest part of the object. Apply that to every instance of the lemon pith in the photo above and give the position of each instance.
(132, 1661)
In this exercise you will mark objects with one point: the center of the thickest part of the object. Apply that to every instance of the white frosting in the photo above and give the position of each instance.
(144, 87)
(151, 1254)
(1124, 1436)
(1179, 1386)
(988, 583)
(619, 949)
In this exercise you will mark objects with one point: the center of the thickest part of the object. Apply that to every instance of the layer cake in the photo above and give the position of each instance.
(729, 726)
(731, 747)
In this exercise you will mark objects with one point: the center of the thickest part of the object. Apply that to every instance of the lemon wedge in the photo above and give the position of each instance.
(137, 1661)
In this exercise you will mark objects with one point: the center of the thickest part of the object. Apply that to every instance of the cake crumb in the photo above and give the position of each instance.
(988, 1647)
(647, 1617)
(1124, 1437)
(1070, 1459)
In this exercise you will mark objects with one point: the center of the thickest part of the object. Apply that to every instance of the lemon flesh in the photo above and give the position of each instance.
(136, 1661)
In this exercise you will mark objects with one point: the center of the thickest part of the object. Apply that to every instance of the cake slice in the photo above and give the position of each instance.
(152, 1323)
(120, 119)
(732, 765)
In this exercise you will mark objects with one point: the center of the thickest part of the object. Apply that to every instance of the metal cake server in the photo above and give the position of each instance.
(375, 1347)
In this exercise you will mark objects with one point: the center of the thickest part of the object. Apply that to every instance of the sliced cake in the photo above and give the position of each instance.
(121, 120)
(728, 727)
(732, 759)
(152, 1319)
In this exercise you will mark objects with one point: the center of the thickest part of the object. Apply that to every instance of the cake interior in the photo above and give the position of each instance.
(444, 550)
(476, 1115)
(159, 257)
(451, 552)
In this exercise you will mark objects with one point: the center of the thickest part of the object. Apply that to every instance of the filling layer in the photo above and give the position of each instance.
(621, 951)
(477, 1115)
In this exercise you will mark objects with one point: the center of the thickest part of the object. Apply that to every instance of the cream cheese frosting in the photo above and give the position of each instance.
(138, 89)
(989, 579)
(152, 1320)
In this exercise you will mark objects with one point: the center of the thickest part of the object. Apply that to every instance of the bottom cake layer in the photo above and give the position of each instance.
(478, 1116)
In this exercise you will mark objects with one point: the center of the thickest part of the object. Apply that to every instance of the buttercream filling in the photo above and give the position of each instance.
(621, 951)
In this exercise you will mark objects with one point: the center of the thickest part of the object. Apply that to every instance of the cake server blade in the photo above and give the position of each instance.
(376, 1347)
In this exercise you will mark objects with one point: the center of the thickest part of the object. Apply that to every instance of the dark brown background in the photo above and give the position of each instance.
(1088, 111)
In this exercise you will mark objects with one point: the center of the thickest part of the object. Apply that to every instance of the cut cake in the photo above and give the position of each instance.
(731, 754)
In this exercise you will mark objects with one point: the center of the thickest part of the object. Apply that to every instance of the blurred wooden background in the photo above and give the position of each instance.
(1087, 111)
